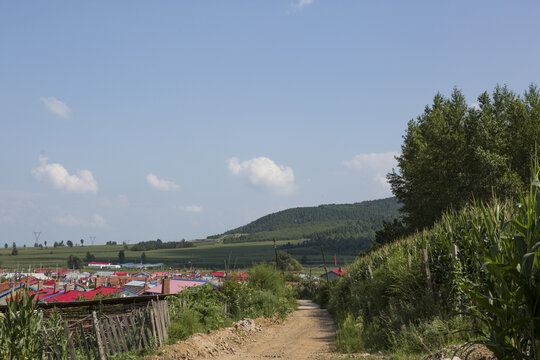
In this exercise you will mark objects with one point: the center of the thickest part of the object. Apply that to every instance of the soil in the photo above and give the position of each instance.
(305, 334)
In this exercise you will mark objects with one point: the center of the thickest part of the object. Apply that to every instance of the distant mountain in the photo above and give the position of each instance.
(302, 222)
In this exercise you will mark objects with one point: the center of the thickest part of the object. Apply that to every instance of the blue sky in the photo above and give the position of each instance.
(137, 120)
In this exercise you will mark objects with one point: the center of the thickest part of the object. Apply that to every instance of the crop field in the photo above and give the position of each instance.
(205, 255)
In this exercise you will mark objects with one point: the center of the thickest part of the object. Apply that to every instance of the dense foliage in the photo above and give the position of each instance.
(21, 329)
(385, 304)
(74, 262)
(453, 153)
(205, 308)
(352, 238)
(158, 244)
(368, 211)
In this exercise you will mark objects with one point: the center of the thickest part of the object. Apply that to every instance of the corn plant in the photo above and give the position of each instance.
(508, 300)
(20, 330)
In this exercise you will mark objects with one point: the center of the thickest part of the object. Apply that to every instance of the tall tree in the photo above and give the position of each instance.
(453, 153)
(121, 257)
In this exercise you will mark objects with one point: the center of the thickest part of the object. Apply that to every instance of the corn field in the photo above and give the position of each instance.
(492, 284)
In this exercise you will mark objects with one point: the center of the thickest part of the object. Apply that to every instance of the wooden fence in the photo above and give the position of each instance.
(99, 337)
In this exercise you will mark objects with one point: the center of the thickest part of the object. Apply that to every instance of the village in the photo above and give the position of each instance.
(113, 280)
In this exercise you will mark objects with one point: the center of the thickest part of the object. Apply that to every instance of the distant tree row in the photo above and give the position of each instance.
(158, 244)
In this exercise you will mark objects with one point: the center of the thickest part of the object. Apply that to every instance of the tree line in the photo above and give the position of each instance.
(454, 152)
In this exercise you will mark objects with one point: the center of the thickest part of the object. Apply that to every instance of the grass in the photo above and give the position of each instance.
(205, 255)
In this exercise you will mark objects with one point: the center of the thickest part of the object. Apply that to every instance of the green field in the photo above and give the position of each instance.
(205, 255)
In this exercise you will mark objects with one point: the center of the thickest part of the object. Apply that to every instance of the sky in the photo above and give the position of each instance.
(137, 120)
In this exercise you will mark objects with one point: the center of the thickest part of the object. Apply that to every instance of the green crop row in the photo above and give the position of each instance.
(489, 294)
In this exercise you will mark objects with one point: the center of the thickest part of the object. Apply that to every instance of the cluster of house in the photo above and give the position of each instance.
(64, 285)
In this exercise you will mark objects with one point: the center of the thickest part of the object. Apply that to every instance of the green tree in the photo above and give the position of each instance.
(143, 257)
(82, 242)
(89, 257)
(14, 251)
(287, 263)
(453, 153)
(69, 243)
(121, 257)
(74, 262)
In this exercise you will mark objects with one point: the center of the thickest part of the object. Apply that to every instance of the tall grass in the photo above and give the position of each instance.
(489, 294)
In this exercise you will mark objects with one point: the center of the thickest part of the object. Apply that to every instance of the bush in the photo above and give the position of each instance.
(265, 277)
(205, 308)
(349, 335)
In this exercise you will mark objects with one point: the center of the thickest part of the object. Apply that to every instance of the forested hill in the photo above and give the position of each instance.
(366, 211)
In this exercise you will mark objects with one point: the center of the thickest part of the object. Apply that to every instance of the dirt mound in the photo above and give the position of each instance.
(223, 341)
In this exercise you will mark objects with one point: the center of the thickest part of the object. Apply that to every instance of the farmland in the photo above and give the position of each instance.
(205, 255)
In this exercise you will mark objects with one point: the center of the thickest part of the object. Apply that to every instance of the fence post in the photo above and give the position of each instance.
(70, 342)
(454, 252)
(370, 271)
(428, 273)
(409, 258)
(98, 336)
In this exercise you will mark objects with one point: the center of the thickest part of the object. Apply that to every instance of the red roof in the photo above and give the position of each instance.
(339, 272)
(74, 295)
(218, 274)
(120, 273)
(48, 283)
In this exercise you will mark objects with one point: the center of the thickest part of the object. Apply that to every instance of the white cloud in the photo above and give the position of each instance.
(264, 173)
(193, 209)
(374, 166)
(56, 107)
(161, 184)
(302, 3)
(97, 221)
(81, 182)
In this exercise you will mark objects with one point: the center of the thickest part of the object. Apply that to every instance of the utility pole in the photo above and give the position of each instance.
(324, 263)
(275, 251)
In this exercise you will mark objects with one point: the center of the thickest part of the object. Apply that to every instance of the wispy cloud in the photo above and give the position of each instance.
(374, 166)
(117, 202)
(81, 182)
(264, 173)
(161, 184)
(96, 221)
(193, 209)
(298, 5)
(56, 107)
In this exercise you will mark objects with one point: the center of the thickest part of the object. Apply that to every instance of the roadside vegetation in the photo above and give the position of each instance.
(207, 308)
(465, 179)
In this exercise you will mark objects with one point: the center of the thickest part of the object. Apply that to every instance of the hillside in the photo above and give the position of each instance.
(307, 222)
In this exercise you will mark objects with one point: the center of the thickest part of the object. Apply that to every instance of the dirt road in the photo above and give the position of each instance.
(305, 334)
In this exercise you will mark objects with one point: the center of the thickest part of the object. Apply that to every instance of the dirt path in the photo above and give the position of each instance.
(305, 334)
